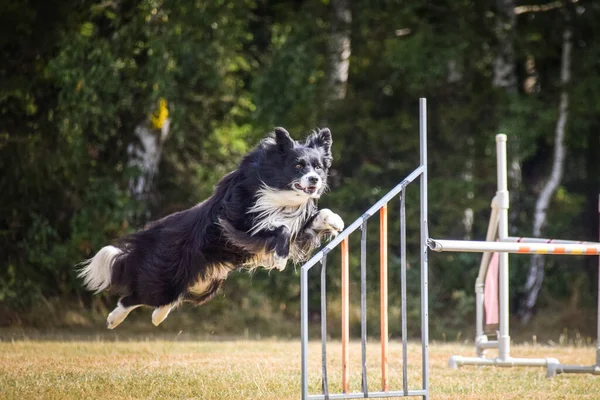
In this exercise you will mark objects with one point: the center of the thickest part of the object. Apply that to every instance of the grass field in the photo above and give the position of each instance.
(184, 369)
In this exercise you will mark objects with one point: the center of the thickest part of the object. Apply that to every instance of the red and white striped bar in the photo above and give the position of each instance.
(544, 240)
(517, 248)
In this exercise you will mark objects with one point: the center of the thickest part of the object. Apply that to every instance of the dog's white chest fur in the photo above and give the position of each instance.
(275, 208)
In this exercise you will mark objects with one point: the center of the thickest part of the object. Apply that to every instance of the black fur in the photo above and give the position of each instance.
(160, 263)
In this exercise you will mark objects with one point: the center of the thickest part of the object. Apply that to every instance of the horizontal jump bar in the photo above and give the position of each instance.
(544, 240)
(357, 224)
(519, 248)
(370, 395)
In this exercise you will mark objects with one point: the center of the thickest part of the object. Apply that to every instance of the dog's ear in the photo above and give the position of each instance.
(321, 139)
(283, 140)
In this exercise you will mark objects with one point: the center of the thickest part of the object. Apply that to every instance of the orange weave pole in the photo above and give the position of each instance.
(383, 282)
(345, 313)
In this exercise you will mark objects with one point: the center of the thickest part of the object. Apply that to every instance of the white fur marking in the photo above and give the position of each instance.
(279, 207)
(97, 270)
(118, 315)
(305, 181)
(161, 313)
(328, 220)
(267, 261)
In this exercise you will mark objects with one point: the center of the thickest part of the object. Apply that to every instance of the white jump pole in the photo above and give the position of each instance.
(498, 228)
(503, 204)
(544, 240)
(500, 206)
(516, 248)
(481, 340)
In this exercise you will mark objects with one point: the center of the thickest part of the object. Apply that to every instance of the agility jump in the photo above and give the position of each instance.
(494, 267)
(321, 257)
(497, 245)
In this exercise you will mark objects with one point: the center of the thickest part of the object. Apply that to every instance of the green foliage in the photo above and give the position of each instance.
(290, 81)
(81, 76)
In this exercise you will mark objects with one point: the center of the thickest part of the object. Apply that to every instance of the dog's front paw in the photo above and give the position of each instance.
(328, 220)
(279, 262)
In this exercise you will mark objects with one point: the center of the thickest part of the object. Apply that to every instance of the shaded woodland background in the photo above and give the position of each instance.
(114, 113)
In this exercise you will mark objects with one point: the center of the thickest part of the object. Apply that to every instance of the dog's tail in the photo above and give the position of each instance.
(96, 272)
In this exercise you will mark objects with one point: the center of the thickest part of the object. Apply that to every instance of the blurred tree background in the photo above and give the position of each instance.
(113, 113)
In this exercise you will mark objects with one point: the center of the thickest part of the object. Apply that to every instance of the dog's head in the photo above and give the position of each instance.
(298, 170)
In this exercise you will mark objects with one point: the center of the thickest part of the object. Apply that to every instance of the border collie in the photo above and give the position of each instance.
(260, 215)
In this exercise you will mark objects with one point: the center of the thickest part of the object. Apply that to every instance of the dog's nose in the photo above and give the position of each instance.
(313, 180)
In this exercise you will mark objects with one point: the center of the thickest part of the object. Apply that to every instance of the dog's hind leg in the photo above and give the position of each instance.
(161, 313)
(208, 292)
(118, 315)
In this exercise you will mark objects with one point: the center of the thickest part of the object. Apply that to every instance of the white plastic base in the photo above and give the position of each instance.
(555, 369)
(457, 361)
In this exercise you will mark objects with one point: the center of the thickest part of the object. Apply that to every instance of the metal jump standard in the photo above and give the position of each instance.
(342, 238)
(498, 241)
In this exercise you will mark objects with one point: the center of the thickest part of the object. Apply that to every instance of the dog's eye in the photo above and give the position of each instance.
(318, 167)
(299, 166)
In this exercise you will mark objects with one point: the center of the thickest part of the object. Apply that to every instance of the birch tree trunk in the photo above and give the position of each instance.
(339, 49)
(145, 154)
(504, 63)
(536, 268)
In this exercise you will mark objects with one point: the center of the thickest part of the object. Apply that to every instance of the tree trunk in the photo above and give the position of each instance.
(339, 49)
(505, 77)
(504, 63)
(145, 154)
(536, 268)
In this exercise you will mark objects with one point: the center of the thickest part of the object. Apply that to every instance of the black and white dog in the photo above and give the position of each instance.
(260, 215)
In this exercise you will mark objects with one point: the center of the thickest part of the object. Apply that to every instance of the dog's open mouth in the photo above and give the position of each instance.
(307, 190)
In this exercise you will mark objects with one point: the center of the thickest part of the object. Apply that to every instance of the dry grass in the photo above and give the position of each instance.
(143, 369)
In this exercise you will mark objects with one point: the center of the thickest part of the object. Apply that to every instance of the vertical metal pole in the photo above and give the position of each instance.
(304, 330)
(363, 306)
(345, 314)
(479, 305)
(383, 284)
(598, 319)
(502, 196)
(403, 289)
(324, 385)
(424, 248)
